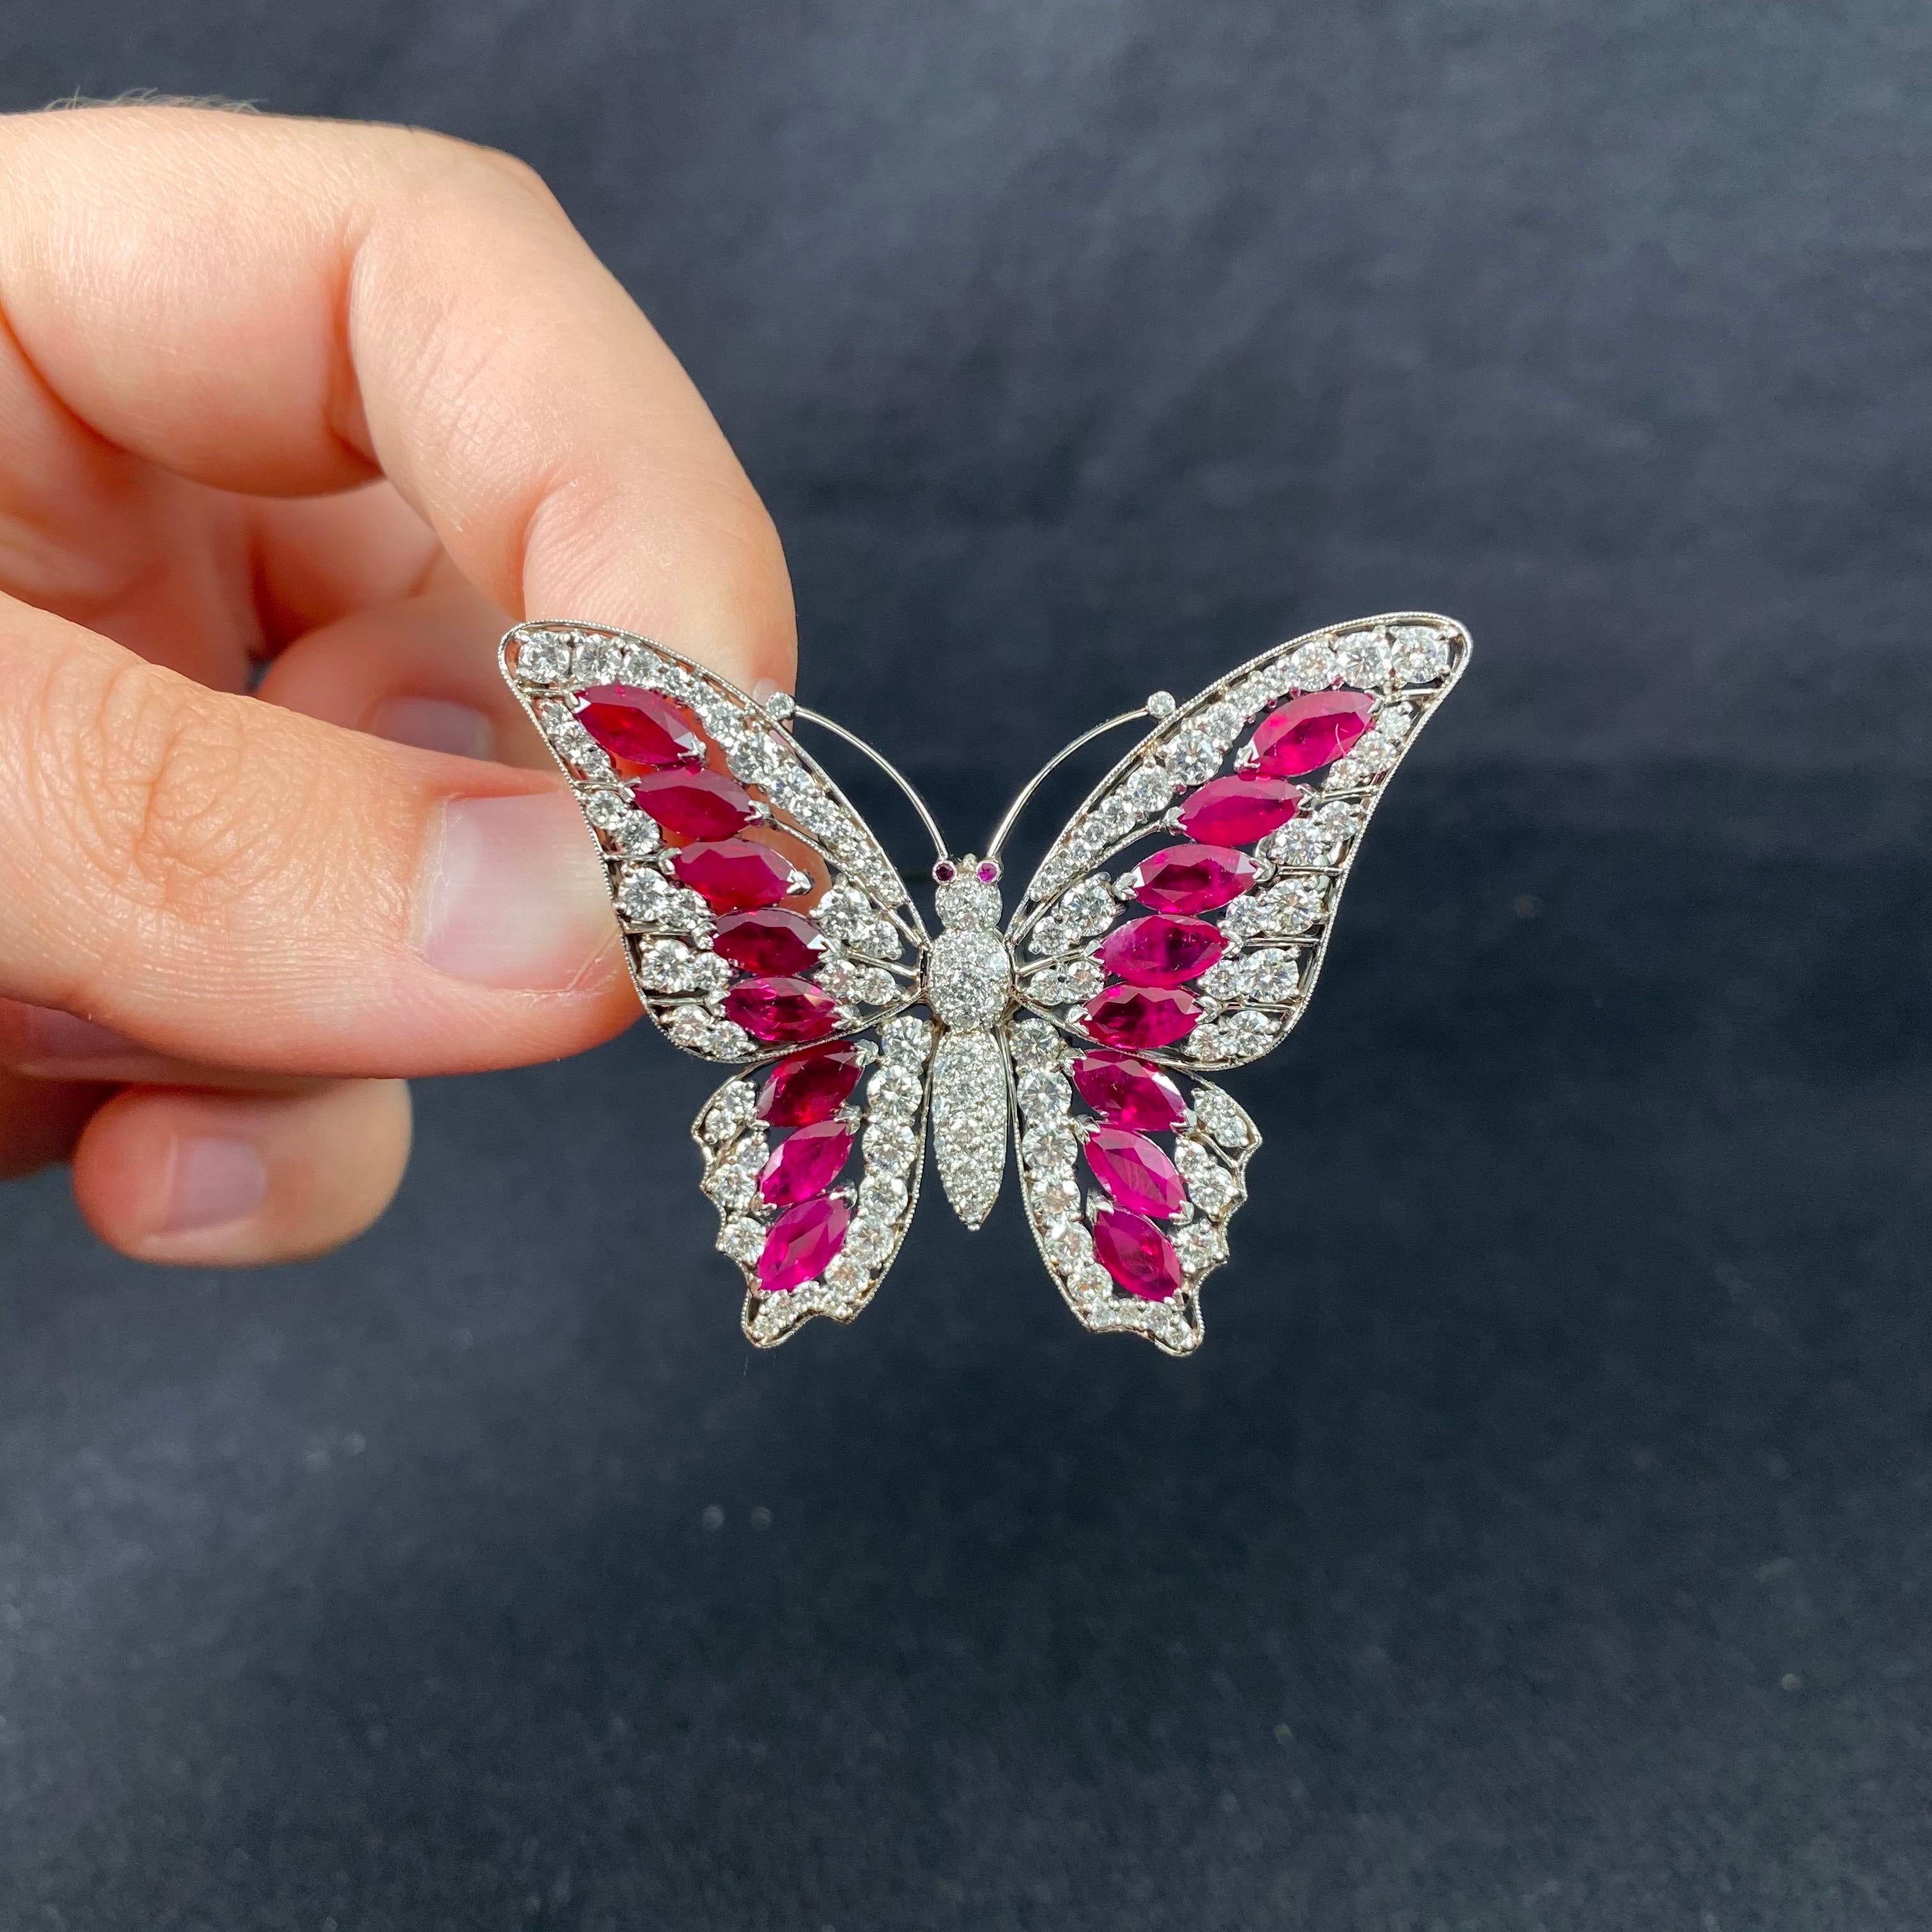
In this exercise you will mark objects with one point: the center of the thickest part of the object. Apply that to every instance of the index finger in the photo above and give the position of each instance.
(286, 308)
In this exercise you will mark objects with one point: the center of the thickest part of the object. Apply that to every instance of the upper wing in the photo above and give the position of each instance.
(759, 913)
(811, 1237)
(1184, 913)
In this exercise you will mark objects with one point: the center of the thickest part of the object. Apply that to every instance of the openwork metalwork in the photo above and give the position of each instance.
(1175, 929)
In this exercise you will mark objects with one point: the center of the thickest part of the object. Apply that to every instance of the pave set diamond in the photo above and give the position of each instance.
(1269, 778)
(759, 913)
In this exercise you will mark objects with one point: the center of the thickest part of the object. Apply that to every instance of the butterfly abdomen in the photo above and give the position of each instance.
(969, 1106)
(969, 985)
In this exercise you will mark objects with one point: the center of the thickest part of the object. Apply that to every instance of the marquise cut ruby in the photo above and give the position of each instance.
(695, 804)
(1128, 1093)
(1191, 878)
(1162, 950)
(642, 728)
(1138, 1256)
(802, 1243)
(808, 1088)
(806, 1163)
(1239, 809)
(734, 874)
(1135, 1171)
(769, 941)
(1307, 732)
(781, 1011)
(1140, 1016)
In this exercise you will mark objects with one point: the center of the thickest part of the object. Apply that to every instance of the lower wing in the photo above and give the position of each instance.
(813, 1165)
(1130, 1175)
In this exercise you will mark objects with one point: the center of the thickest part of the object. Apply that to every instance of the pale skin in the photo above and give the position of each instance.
(347, 400)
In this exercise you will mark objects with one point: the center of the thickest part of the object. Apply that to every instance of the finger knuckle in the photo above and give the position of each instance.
(160, 794)
(469, 170)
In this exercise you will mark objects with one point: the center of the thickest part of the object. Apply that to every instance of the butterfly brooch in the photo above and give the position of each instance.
(1174, 928)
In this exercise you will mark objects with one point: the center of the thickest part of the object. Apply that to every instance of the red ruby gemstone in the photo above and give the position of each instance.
(1140, 1017)
(1239, 809)
(809, 1087)
(734, 874)
(1139, 1257)
(695, 804)
(806, 1163)
(1309, 732)
(1129, 1092)
(771, 941)
(802, 1243)
(781, 1011)
(642, 728)
(1162, 949)
(1192, 878)
(1134, 1172)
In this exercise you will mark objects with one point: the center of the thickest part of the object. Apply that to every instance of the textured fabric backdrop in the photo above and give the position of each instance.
(1541, 1539)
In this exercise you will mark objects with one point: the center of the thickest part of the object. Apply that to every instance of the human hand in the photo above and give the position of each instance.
(347, 399)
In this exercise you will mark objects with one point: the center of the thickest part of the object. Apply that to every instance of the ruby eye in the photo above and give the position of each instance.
(945, 871)
(989, 872)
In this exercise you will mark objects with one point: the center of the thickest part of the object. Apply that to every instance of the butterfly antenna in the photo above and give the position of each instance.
(891, 770)
(1153, 708)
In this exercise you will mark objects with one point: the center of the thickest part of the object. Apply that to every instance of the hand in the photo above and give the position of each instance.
(347, 399)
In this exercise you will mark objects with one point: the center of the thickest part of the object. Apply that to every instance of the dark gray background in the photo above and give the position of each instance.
(1541, 1540)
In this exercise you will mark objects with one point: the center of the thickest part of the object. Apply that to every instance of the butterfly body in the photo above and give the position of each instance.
(970, 975)
(1174, 928)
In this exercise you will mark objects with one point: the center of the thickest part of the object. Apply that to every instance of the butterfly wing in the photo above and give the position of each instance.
(1177, 926)
(813, 1231)
(1130, 1221)
(759, 913)
(1281, 829)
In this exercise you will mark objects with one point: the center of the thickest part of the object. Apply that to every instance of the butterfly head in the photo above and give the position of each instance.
(968, 898)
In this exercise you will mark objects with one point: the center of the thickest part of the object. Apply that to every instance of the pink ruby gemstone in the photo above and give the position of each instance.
(805, 1163)
(809, 1087)
(734, 874)
(642, 728)
(1192, 878)
(695, 804)
(1239, 809)
(1134, 1172)
(1162, 949)
(1141, 1016)
(770, 941)
(781, 1012)
(802, 1243)
(1309, 732)
(1129, 1092)
(1139, 1257)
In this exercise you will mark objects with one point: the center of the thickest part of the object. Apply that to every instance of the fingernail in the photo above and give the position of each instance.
(50, 1035)
(214, 1181)
(435, 724)
(516, 894)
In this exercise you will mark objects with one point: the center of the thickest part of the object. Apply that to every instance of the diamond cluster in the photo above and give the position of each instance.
(860, 1223)
(1128, 1229)
(739, 943)
(1228, 834)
